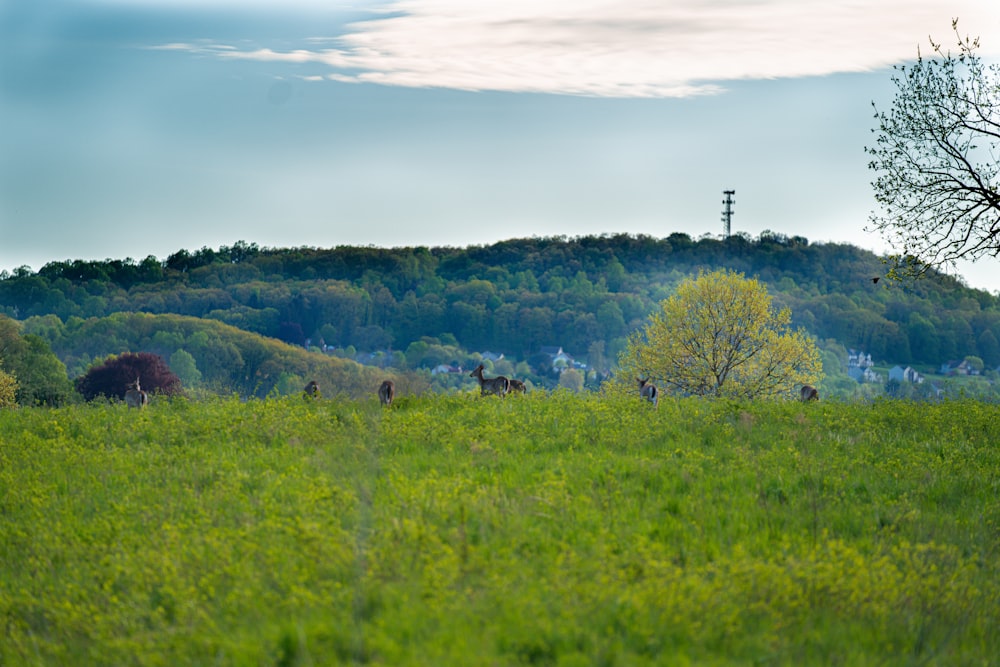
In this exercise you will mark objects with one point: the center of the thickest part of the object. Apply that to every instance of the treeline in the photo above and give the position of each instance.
(583, 294)
(42, 353)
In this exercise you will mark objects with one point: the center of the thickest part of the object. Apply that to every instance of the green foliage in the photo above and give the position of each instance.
(553, 529)
(975, 363)
(720, 336)
(288, 384)
(227, 359)
(8, 390)
(512, 297)
(571, 379)
(186, 368)
(41, 376)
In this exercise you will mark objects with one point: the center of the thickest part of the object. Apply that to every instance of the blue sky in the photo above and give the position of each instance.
(131, 128)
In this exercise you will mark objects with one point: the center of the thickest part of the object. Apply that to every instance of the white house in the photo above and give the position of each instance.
(955, 368)
(858, 359)
(863, 374)
(900, 374)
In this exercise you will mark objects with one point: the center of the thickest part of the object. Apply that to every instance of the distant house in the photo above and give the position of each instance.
(560, 359)
(858, 359)
(900, 374)
(445, 368)
(859, 367)
(863, 374)
(955, 368)
(491, 356)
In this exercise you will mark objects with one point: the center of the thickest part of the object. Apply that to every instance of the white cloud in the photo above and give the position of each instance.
(203, 48)
(639, 48)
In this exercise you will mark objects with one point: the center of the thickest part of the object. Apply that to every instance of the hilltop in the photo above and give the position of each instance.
(421, 307)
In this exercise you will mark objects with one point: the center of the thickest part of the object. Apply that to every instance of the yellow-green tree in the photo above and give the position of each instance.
(8, 390)
(571, 379)
(719, 335)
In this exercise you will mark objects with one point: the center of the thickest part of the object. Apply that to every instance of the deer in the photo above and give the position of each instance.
(808, 393)
(135, 397)
(311, 390)
(498, 385)
(387, 392)
(649, 392)
(517, 386)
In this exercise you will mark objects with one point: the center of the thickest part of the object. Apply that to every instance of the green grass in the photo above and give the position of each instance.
(545, 529)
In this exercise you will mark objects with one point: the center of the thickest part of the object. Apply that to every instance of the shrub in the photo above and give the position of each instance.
(112, 378)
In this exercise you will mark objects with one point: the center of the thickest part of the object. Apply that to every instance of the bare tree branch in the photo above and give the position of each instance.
(937, 162)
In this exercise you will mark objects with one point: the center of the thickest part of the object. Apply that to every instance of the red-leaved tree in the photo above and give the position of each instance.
(111, 379)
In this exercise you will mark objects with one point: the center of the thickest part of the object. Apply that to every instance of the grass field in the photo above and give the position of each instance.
(457, 530)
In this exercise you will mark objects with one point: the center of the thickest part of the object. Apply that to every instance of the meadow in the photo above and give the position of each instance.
(546, 529)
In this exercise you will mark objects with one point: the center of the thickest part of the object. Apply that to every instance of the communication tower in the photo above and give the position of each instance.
(727, 213)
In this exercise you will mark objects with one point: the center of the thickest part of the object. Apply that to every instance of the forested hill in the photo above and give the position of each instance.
(582, 294)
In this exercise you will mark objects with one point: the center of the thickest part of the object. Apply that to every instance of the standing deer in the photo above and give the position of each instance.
(311, 390)
(387, 392)
(517, 386)
(498, 385)
(649, 392)
(135, 397)
(809, 393)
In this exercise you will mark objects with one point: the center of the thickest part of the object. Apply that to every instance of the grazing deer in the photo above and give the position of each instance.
(311, 390)
(135, 397)
(517, 386)
(387, 392)
(498, 385)
(809, 393)
(649, 392)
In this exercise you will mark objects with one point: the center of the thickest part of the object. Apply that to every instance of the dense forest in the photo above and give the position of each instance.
(419, 307)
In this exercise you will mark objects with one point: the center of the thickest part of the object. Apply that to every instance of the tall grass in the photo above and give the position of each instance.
(543, 529)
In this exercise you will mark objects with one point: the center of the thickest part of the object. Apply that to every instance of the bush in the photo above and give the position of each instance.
(111, 379)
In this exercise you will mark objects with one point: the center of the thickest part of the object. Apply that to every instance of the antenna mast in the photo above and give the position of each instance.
(727, 213)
